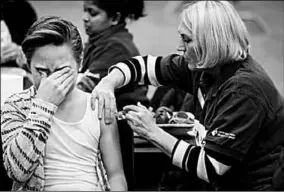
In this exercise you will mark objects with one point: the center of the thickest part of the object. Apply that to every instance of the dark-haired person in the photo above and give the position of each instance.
(47, 144)
(239, 109)
(13, 31)
(109, 42)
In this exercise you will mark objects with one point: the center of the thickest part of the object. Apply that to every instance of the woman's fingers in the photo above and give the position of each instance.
(142, 106)
(93, 101)
(109, 108)
(101, 106)
(134, 114)
(137, 125)
(131, 116)
(132, 108)
(113, 108)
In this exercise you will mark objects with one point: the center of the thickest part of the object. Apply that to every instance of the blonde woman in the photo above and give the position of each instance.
(236, 103)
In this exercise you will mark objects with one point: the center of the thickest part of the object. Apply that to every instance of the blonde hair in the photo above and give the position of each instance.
(219, 31)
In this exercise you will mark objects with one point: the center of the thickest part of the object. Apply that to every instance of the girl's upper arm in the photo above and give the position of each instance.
(110, 149)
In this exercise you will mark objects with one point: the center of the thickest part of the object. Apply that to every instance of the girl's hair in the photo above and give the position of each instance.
(131, 9)
(219, 32)
(53, 30)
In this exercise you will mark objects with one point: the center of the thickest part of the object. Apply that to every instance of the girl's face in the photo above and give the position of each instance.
(49, 59)
(95, 19)
(186, 46)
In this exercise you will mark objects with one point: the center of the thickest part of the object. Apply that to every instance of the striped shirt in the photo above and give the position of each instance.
(240, 118)
(25, 128)
(145, 70)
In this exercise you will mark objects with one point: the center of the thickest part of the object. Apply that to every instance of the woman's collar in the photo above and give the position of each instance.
(219, 73)
(107, 32)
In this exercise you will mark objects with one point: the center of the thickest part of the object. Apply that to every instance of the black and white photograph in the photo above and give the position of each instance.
(141, 95)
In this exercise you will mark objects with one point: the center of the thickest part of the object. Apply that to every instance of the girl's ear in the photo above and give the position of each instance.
(116, 19)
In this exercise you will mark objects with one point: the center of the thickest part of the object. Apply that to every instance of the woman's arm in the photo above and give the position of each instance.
(111, 156)
(156, 71)
(146, 70)
(24, 137)
(98, 60)
(188, 157)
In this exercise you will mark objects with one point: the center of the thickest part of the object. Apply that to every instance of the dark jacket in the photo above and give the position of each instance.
(241, 99)
(243, 114)
(106, 49)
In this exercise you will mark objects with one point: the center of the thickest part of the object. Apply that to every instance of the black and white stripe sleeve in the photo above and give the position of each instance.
(156, 71)
(140, 69)
(195, 160)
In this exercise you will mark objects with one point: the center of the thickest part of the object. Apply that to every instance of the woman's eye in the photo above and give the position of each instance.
(91, 12)
(186, 40)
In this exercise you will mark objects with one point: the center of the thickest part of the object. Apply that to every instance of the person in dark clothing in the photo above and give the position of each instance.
(239, 111)
(109, 43)
(17, 25)
(16, 18)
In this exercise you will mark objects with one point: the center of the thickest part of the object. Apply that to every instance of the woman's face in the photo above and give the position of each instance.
(49, 59)
(95, 19)
(186, 46)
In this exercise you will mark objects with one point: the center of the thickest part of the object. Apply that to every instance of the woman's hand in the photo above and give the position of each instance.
(141, 120)
(104, 92)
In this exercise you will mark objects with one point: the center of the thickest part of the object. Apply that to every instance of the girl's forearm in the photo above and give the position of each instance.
(118, 183)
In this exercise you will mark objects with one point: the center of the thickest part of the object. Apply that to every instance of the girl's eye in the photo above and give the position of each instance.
(43, 71)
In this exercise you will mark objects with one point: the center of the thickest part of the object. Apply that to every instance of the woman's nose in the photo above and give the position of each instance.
(181, 46)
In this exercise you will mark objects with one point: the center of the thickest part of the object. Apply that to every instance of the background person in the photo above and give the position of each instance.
(235, 102)
(109, 42)
(13, 30)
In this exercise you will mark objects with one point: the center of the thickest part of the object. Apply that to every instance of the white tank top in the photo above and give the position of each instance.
(71, 154)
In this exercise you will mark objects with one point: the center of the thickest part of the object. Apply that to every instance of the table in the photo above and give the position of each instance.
(151, 163)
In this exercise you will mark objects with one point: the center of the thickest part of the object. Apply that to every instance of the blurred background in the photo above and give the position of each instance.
(157, 32)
